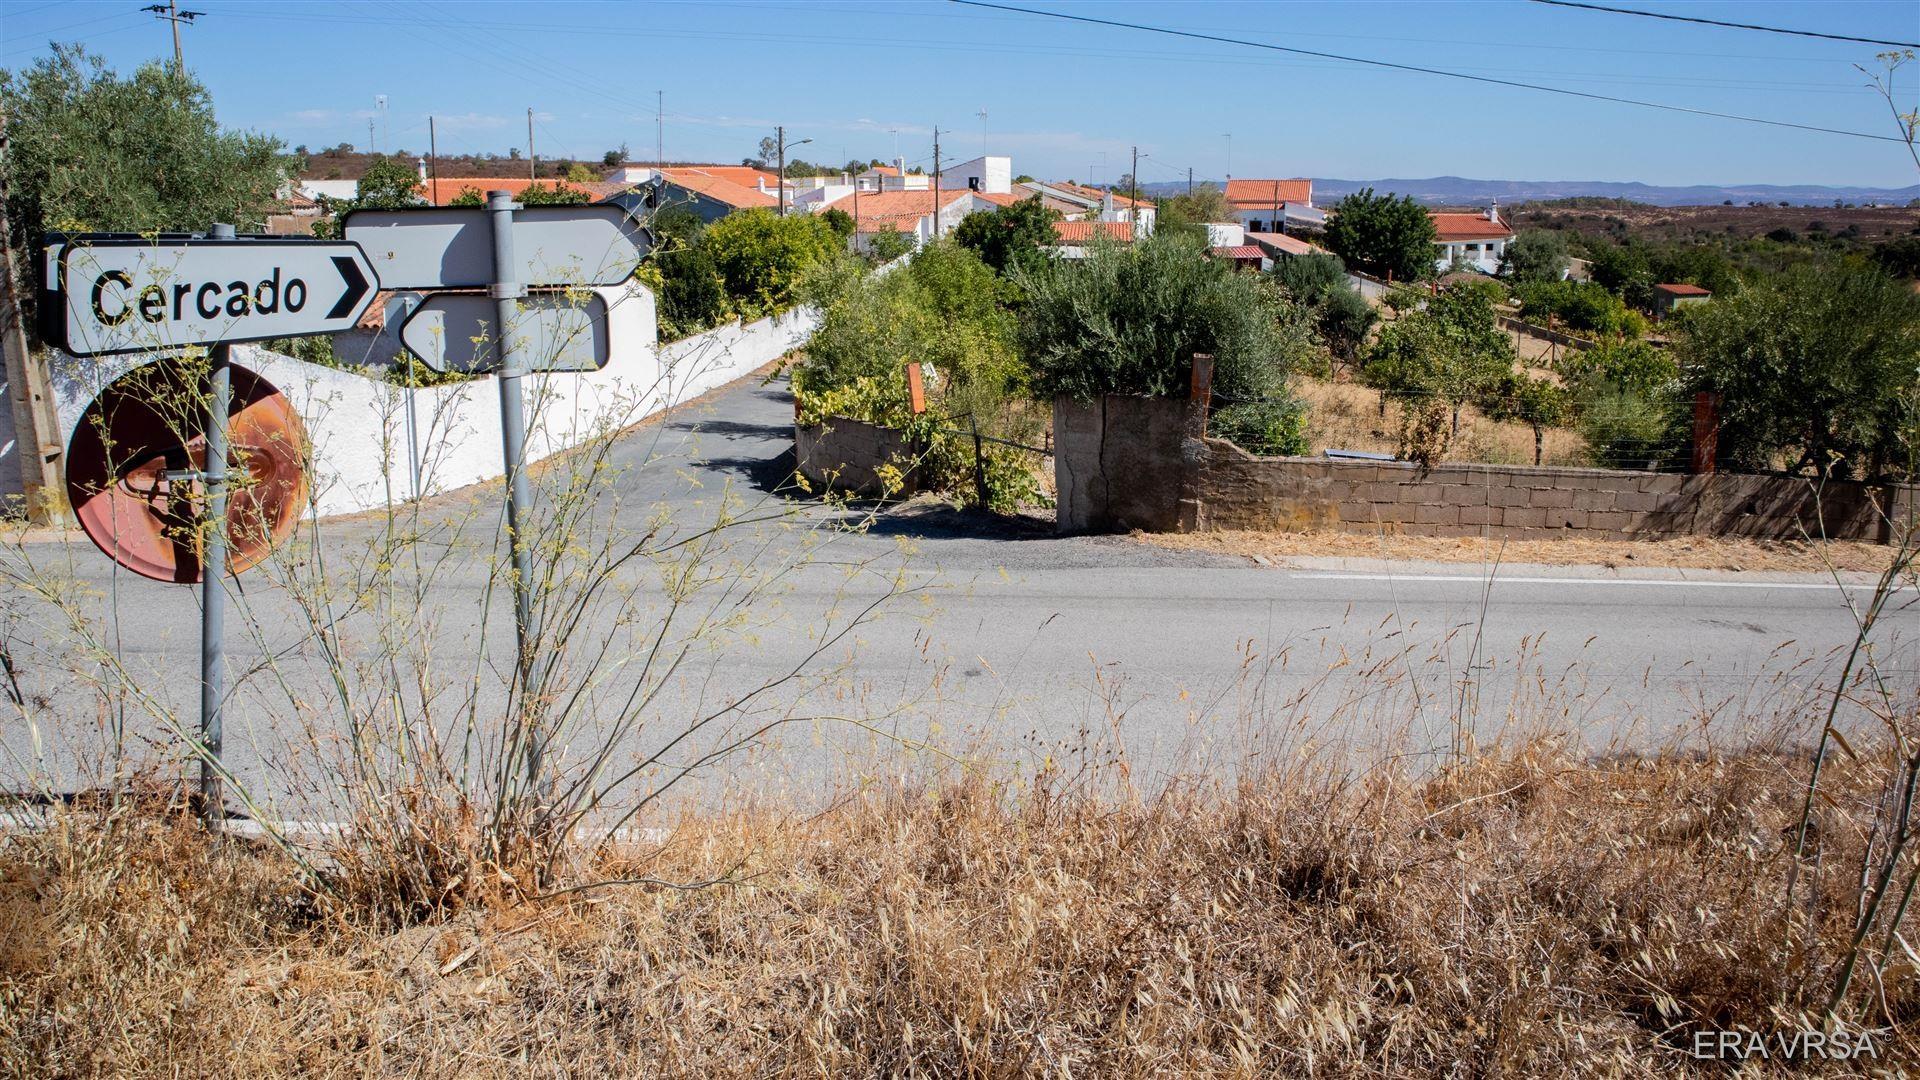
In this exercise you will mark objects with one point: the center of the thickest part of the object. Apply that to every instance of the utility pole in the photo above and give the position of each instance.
(170, 12)
(780, 180)
(36, 438)
(659, 129)
(936, 181)
(370, 146)
(433, 167)
(1189, 179)
(982, 114)
(1229, 137)
(533, 162)
(1133, 179)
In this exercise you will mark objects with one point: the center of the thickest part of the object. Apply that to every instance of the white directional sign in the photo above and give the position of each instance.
(553, 331)
(129, 294)
(451, 247)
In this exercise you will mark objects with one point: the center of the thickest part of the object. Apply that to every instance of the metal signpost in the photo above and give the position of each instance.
(128, 293)
(456, 332)
(507, 249)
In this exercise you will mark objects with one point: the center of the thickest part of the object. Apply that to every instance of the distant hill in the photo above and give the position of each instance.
(1457, 190)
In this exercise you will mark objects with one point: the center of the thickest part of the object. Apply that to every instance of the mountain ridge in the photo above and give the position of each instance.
(1451, 190)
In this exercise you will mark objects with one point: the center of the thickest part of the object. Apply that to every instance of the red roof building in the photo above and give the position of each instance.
(1081, 233)
(1477, 241)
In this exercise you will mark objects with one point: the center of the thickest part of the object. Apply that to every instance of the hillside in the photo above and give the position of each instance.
(1441, 190)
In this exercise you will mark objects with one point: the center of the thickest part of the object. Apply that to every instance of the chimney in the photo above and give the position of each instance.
(900, 165)
(1493, 211)
(422, 165)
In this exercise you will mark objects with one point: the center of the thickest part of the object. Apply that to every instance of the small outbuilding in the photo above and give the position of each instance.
(1671, 297)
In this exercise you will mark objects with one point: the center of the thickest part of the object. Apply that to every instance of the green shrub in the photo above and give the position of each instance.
(1625, 430)
(1578, 305)
(1129, 319)
(762, 257)
(1309, 279)
(1636, 366)
(1450, 349)
(1272, 428)
(1011, 237)
(884, 247)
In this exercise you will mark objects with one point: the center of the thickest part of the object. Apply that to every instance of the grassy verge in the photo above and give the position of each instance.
(1526, 912)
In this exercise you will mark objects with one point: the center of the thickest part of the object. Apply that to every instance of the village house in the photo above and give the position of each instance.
(1228, 240)
(1078, 203)
(1473, 241)
(1275, 206)
(1073, 238)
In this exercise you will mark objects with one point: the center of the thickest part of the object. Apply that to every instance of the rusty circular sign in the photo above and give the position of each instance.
(131, 463)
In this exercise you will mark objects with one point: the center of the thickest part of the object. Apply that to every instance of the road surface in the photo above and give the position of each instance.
(1005, 641)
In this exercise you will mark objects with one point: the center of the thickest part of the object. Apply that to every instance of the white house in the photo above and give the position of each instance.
(1476, 241)
(1077, 203)
(1274, 206)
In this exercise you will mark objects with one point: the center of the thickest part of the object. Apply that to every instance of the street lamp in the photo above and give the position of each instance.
(781, 138)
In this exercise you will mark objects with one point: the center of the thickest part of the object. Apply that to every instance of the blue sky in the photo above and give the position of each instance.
(1064, 100)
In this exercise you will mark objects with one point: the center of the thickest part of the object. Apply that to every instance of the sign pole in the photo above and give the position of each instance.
(513, 441)
(213, 574)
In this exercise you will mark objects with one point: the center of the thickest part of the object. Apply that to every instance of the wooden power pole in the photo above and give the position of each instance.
(36, 429)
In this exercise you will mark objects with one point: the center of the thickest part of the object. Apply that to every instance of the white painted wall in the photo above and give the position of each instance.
(994, 173)
(358, 424)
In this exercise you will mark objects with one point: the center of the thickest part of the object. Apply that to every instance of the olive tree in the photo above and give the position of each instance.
(1384, 235)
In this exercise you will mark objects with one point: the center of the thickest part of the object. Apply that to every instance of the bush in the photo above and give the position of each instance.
(762, 257)
(1815, 370)
(884, 247)
(1636, 366)
(1309, 279)
(1450, 349)
(1010, 238)
(1625, 430)
(1128, 320)
(1535, 255)
(1579, 305)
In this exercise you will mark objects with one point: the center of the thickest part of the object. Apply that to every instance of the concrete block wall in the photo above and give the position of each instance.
(1232, 489)
(846, 456)
(1138, 463)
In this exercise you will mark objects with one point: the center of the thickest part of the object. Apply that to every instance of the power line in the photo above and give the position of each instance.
(1425, 70)
(1728, 25)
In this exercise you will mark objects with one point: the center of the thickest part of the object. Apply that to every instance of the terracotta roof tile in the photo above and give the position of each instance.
(1262, 194)
(1291, 245)
(1682, 289)
(1099, 194)
(1455, 227)
(1083, 232)
(720, 188)
(1239, 251)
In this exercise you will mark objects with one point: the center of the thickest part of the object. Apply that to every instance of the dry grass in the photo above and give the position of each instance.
(1528, 913)
(1688, 553)
(1346, 416)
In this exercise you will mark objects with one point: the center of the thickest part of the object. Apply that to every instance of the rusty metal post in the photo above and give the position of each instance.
(916, 389)
(1706, 430)
(1200, 394)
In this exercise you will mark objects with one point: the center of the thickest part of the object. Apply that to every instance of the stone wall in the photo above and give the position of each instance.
(846, 456)
(1138, 463)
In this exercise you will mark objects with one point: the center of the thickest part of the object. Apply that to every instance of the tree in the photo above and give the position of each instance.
(1536, 402)
(1623, 270)
(1384, 235)
(389, 183)
(580, 174)
(840, 222)
(614, 156)
(1128, 320)
(762, 257)
(93, 151)
(1340, 314)
(1450, 349)
(888, 245)
(1535, 255)
(1010, 238)
(1191, 211)
(1815, 369)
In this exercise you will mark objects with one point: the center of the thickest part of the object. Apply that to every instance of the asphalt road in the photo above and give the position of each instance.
(999, 639)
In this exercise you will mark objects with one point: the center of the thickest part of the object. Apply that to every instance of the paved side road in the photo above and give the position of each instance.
(1018, 642)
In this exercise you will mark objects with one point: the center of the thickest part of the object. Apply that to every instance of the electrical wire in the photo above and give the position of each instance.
(1090, 20)
(1728, 25)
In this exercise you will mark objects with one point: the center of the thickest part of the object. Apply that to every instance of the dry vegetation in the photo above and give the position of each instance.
(1687, 553)
(1525, 912)
(1347, 416)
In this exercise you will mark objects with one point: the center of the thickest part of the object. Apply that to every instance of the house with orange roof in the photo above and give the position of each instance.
(1073, 238)
(1274, 206)
(1476, 241)
(1077, 202)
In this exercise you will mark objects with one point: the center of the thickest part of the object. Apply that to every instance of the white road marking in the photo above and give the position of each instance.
(1502, 579)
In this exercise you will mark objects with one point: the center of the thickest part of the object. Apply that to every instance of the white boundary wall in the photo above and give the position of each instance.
(359, 424)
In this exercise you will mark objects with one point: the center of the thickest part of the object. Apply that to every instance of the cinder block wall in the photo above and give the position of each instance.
(1135, 463)
(845, 456)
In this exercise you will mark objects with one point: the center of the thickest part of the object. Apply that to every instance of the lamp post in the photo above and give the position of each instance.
(780, 136)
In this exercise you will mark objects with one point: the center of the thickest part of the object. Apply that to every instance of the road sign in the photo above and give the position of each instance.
(554, 331)
(451, 247)
(133, 294)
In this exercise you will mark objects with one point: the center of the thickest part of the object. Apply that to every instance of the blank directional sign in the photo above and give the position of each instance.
(451, 247)
(131, 294)
(552, 331)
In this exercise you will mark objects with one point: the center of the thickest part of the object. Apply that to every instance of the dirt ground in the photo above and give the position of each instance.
(1739, 222)
(1345, 416)
(1692, 553)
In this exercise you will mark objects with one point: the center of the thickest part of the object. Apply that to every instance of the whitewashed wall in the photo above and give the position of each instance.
(363, 458)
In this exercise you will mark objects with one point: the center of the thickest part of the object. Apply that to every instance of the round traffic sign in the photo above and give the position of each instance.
(133, 464)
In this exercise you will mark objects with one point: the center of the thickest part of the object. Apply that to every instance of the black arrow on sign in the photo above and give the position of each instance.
(356, 286)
